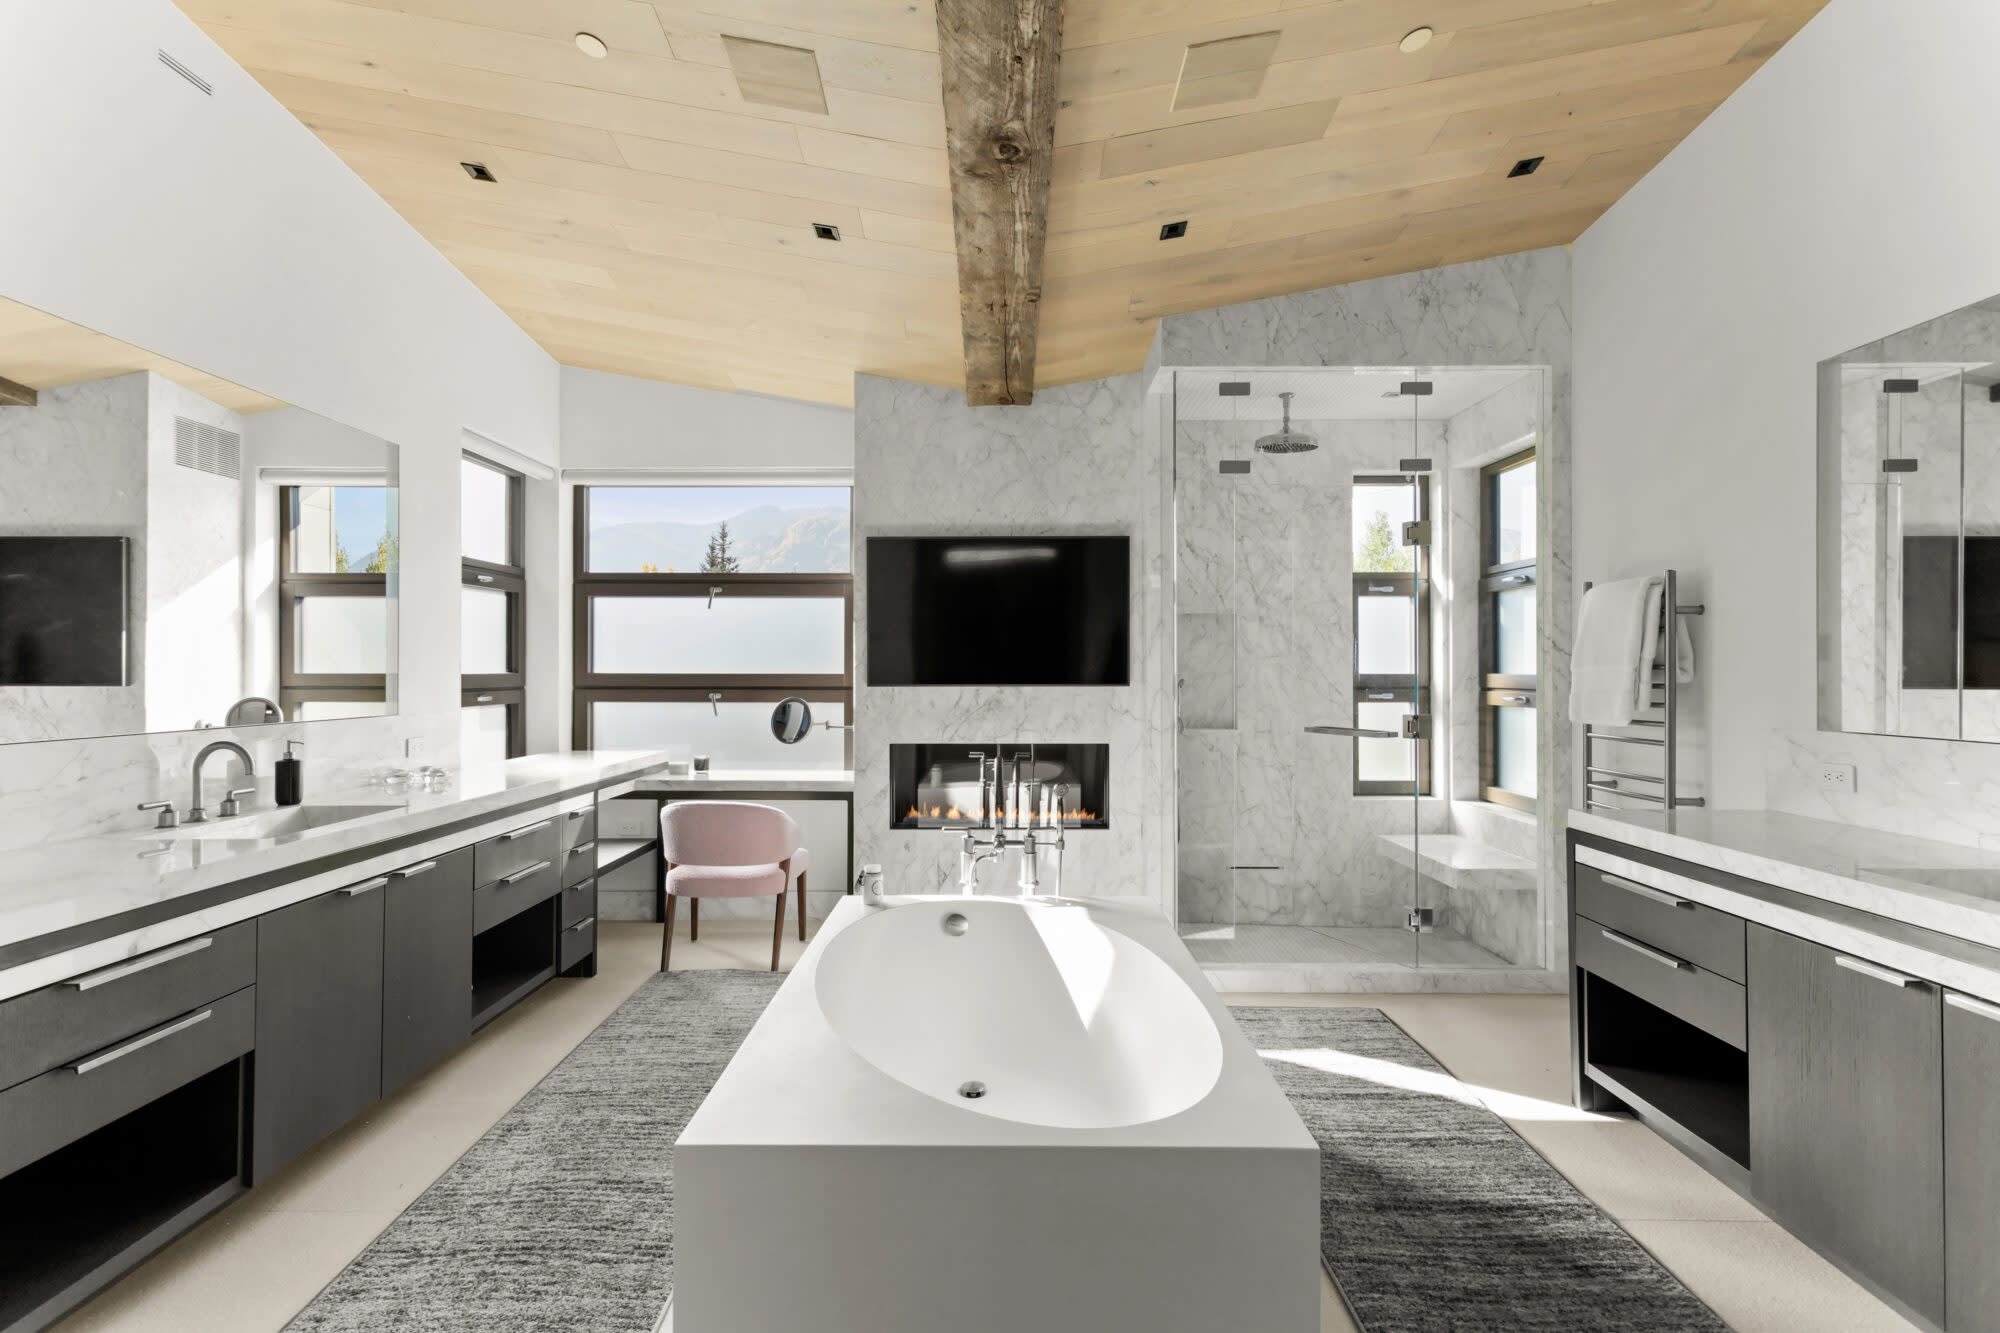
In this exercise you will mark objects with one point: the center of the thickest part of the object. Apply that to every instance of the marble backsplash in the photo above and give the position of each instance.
(1948, 791)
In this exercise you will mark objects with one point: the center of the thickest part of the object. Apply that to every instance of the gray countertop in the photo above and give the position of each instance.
(806, 781)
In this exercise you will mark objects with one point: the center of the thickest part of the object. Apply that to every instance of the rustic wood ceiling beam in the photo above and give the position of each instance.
(999, 61)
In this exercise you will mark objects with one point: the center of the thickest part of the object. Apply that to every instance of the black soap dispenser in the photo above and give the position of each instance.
(291, 778)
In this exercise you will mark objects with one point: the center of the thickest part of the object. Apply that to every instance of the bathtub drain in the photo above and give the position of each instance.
(972, 1089)
(956, 924)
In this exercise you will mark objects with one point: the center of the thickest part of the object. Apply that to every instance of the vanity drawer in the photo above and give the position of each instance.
(44, 1028)
(1680, 926)
(580, 862)
(579, 826)
(516, 850)
(1711, 1002)
(579, 900)
(577, 943)
(89, 1091)
(514, 893)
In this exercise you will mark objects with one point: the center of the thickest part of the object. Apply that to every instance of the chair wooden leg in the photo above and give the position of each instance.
(802, 906)
(667, 937)
(778, 930)
(694, 919)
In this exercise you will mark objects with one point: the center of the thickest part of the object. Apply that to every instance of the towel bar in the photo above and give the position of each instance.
(1669, 797)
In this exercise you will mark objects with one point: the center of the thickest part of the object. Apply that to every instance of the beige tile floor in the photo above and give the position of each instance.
(252, 1266)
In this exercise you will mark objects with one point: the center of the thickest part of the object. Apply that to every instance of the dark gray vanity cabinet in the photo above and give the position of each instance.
(1972, 1164)
(319, 1020)
(1846, 1111)
(426, 964)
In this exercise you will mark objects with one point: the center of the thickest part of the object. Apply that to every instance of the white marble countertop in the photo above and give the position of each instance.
(751, 779)
(1938, 886)
(60, 885)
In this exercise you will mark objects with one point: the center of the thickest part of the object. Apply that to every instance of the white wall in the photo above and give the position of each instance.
(1840, 195)
(612, 422)
(216, 230)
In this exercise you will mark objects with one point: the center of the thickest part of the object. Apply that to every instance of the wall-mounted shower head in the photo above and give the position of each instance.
(1287, 440)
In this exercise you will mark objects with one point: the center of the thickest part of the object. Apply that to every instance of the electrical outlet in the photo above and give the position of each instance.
(1837, 777)
(413, 747)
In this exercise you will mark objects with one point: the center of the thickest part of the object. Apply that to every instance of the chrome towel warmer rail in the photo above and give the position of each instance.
(1600, 780)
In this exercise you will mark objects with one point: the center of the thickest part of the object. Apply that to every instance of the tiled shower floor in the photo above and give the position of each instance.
(1369, 946)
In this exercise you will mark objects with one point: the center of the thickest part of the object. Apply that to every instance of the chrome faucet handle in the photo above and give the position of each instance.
(167, 819)
(230, 805)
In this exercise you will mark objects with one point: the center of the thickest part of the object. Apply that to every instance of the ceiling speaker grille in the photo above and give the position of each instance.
(207, 448)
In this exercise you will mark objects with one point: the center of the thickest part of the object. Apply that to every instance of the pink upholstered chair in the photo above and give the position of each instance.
(729, 849)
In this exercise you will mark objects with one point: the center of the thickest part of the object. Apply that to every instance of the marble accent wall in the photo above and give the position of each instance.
(1511, 310)
(1077, 461)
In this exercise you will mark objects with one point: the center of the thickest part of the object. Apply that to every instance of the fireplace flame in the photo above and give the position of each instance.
(1008, 818)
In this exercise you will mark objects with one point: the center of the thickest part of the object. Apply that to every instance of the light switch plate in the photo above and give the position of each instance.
(1837, 777)
(413, 747)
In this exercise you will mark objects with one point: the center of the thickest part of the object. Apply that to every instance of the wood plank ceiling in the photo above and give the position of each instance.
(42, 351)
(646, 218)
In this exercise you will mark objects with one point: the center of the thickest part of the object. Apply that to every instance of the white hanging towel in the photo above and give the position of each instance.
(1651, 658)
(1617, 640)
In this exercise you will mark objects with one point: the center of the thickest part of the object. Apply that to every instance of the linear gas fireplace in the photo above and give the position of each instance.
(952, 785)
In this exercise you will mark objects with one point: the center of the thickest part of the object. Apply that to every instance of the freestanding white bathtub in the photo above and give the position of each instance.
(985, 1114)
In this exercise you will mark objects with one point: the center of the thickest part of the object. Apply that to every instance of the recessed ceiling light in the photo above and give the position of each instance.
(1416, 39)
(1525, 167)
(592, 45)
(1173, 231)
(478, 171)
(826, 231)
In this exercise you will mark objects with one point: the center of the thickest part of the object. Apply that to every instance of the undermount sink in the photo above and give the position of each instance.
(278, 823)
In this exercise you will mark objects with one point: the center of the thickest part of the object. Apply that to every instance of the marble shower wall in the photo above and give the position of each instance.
(1511, 310)
(1077, 461)
(1264, 605)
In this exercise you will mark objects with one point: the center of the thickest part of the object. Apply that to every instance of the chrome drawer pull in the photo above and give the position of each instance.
(582, 847)
(1880, 973)
(411, 872)
(365, 886)
(1678, 964)
(1646, 891)
(576, 814)
(1972, 1006)
(143, 963)
(519, 875)
(587, 921)
(104, 1058)
(524, 832)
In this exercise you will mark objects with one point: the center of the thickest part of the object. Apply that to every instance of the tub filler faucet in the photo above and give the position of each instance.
(990, 841)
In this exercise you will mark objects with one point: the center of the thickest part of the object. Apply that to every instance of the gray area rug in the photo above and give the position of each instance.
(1435, 1216)
(561, 1217)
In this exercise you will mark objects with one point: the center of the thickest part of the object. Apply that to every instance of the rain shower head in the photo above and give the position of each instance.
(1287, 440)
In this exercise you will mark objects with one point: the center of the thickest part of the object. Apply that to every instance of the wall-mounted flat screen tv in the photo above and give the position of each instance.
(999, 611)
(63, 608)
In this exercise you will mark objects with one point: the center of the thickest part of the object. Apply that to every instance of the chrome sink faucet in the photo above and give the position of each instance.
(195, 814)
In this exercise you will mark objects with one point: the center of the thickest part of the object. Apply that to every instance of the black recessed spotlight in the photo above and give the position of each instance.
(478, 171)
(826, 231)
(1525, 167)
(1173, 231)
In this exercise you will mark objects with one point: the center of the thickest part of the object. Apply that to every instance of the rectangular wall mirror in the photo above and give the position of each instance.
(178, 552)
(1909, 521)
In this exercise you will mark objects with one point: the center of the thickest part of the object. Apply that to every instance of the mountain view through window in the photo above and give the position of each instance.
(719, 529)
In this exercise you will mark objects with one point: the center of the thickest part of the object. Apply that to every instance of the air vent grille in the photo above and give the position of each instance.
(188, 74)
(207, 448)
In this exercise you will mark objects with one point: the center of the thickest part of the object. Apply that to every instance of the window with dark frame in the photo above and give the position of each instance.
(1392, 635)
(492, 614)
(337, 548)
(1508, 634)
(688, 629)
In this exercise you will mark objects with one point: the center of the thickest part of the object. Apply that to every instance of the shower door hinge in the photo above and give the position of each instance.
(1417, 533)
(1416, 726)
(1423, 920)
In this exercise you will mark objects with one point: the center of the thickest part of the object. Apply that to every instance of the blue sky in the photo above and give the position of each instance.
(702, 504)
(360, 518)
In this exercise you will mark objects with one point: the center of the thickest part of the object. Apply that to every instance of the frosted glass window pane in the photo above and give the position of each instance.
(1378, 759)
(343, 529)
(769, 636)
(1514, 515)
(482, 630)
(343, 636)
(739, 738)
(321, 710)
(482, 735)
(1382, 645)
(740, 529)
(1515, 643)
(1379, 515)
(485, 519)
(1514, 749)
